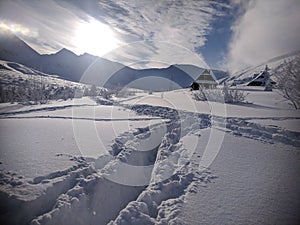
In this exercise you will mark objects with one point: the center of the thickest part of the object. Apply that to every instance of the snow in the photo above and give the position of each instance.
(272, 64)
(29, 147)
(14, 73)
(260, 104)
(287, 124)
(31, 139)
(160, 158)
(39, 144)
(54, 104)
(257, 183)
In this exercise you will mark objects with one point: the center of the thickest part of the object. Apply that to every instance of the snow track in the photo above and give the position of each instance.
(79, 118)
(28, 199)
(138, 160)
(144, 179)
(269, 134)
(100, 196)
(42, 109)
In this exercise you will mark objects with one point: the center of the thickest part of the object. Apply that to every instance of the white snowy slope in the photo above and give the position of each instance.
(272, 64)
(12, 73)
(160, 158)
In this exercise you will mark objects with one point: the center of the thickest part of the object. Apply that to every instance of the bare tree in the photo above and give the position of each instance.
(288, 80)
(93, 90)
(224, 95)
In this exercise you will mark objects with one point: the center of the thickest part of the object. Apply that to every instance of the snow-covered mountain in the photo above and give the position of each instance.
(155, 79)
(12, 73)
(69, 66)
(272, 63)
(194, 71)
(14, 49)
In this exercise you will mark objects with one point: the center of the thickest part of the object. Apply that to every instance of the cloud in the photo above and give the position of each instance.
(181, 23)
(52, 25)
(267, 29)
(143, 54)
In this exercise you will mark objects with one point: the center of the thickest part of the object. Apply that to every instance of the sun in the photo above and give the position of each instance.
(95, 38)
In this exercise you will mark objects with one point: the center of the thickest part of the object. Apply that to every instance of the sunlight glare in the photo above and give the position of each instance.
(16, 28)
(95, 38)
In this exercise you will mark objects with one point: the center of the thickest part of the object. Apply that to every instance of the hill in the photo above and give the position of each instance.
(272, 63)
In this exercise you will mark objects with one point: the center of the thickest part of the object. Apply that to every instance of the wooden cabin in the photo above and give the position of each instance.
(205, 80)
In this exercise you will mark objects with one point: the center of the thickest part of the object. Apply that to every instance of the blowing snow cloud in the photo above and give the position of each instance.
(267, 29)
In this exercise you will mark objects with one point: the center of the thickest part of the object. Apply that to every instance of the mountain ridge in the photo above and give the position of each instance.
(272, 63)
(70, 66)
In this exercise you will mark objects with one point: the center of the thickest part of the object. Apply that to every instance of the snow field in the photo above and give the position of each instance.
(257, 183)
(24, 200)
(148, 171)
(107, 207)
(102, 194)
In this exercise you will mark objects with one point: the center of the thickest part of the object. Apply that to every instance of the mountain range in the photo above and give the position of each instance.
(91, 69)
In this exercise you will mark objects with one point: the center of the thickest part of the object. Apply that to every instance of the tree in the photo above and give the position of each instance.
(288, 80)
(224, 95)
(268, 84)
(93, 91)
(2, 99)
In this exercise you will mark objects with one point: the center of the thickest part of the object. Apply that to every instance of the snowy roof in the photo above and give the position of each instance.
(206, 78)
(257, 77)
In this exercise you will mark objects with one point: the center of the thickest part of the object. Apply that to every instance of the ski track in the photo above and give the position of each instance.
(42, 109)
(79, 118)
(86, 194)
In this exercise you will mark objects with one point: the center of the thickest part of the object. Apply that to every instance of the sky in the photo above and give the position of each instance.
(223, 34)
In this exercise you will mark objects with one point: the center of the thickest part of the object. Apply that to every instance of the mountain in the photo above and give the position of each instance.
(273, 63)
(63, 63)
(155, 79)
(12, 73)
(91, 69)
(68, 65)
(195, 71)
(14, 49)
